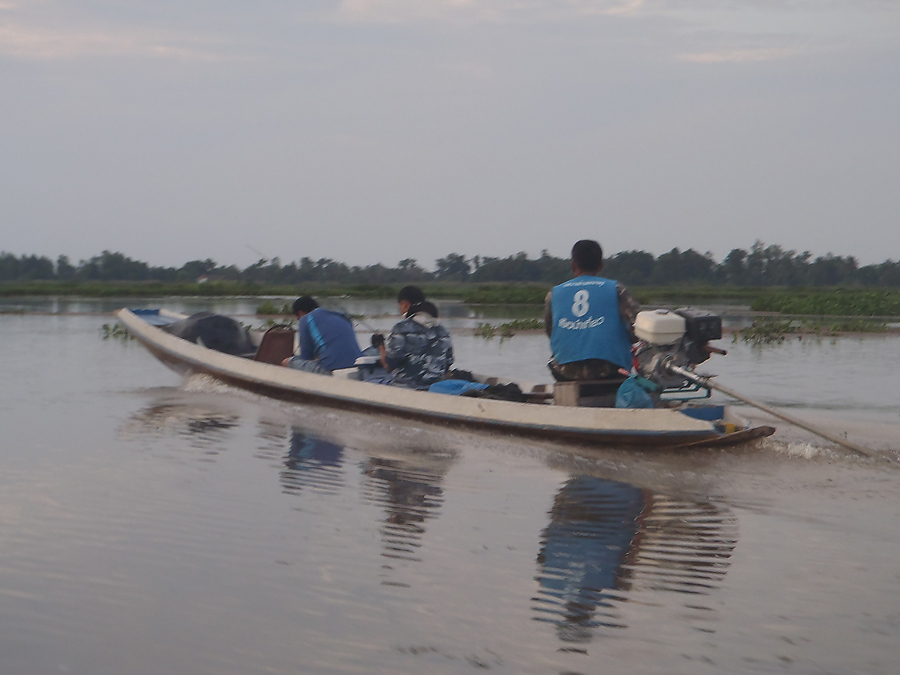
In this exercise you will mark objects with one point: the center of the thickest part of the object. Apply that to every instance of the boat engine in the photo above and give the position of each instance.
(679, 338)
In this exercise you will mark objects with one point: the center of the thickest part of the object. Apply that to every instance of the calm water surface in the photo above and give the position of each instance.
(154, 525)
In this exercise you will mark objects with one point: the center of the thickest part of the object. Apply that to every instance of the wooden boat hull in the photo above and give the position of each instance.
(603, 426)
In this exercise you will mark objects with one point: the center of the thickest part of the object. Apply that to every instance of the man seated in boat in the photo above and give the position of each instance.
(327, 339)
(418, 351)
(590, 321)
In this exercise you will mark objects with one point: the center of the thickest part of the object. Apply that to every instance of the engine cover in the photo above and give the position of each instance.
(659, 326)
(685, 350)
(700, 325)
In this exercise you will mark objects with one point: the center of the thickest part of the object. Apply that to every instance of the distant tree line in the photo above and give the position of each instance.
(762, 265)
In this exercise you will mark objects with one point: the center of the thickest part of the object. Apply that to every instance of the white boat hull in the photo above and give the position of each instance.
(608, 426)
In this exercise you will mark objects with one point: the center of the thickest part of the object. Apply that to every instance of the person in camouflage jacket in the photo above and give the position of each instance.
(418, 351)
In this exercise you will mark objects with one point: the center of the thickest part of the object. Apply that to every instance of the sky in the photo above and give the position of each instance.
(371, 131)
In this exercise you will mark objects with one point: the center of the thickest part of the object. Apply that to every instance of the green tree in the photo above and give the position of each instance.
(194, 270)
(514, 268)
(632, 268)
(831, 270)
(452, 267)
(687, 267)
(733, 270)
(65, 271)
(110, 266)
(9, 267)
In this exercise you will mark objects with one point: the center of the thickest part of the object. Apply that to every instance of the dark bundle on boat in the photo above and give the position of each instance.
(214, 331)
(500, 392)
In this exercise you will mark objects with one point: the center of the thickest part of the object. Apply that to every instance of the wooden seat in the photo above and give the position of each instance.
(587, 393)
(277, 345)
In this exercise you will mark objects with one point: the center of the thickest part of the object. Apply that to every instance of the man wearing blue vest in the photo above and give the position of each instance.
(590, 321)
(327, 339)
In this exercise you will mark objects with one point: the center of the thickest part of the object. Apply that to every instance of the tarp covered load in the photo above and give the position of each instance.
(214, 331)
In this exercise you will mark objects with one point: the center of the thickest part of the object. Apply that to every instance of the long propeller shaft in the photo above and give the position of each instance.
(705, 381)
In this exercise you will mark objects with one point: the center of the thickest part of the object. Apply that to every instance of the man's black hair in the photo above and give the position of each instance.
(305, 304)
(588, 255)
(424, 306)
(412, 294)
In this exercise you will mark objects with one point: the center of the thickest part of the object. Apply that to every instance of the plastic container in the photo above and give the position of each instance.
(659, 326)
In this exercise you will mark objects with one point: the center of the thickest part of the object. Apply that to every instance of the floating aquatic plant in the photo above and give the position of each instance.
(769, 330)
(508, 329)
(115, 331)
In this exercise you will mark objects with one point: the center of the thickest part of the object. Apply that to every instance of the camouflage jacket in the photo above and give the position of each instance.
(419, 351)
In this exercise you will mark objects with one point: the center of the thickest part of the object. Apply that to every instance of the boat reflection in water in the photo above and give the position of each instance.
(608, 541)
(407, 486)
(405, 482)
(312, 462)
(410, 494)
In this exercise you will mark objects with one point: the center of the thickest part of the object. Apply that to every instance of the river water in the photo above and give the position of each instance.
(150, 524)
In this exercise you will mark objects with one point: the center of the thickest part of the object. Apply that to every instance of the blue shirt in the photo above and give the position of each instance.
(328, 337)
(586, 322)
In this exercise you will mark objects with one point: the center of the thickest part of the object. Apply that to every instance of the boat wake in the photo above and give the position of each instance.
(206, 384)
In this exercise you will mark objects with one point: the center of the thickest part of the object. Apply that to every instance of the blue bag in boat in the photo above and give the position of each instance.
(632, 395)
(455, 387)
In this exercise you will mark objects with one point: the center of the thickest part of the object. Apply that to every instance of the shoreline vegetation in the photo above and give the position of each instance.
(760, 266)
(787, 293)
(825, 302)
(778, 313)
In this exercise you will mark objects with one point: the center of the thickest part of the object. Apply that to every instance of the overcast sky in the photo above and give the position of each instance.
(375, 130)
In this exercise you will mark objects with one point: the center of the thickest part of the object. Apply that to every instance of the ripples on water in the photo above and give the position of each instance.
(606, 539)
(409, 495)
(409, 498)
(151, 525)
(312, 464)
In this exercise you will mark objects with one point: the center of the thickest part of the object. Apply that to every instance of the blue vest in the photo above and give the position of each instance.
(586, 322)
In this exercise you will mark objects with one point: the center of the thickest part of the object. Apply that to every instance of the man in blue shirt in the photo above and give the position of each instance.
(327, 339)
(590, 320)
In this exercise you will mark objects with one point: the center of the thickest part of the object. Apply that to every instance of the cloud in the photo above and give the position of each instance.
(31, 41)
(397, 11)
(740, 55)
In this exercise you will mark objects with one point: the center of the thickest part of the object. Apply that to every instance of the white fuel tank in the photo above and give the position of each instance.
(659, 326)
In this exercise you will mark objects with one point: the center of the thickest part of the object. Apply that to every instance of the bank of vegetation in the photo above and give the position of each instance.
(760, 266)
(839, 301)
(765, 278)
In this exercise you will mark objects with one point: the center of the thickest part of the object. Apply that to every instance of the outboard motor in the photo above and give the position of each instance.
(679, 338)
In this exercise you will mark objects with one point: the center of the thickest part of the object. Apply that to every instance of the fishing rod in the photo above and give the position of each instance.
(705, 381)
(337, 306)
(362, 322)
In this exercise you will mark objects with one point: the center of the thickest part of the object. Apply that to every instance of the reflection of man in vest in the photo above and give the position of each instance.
(586, 552)
(590, 320)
